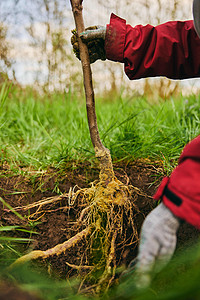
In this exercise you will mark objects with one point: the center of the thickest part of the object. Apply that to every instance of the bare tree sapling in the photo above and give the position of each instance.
(107, 219)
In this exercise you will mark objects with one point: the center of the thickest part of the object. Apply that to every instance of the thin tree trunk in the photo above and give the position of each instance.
(102, 153)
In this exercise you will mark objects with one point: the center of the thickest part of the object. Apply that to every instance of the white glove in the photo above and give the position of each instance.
(157, 243)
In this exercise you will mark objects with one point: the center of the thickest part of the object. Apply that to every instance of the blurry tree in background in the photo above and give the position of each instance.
(35, 41)
(39, 40)
(55, 57)
(5, 62)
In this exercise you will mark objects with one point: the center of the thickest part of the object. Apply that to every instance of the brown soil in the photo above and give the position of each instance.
(11, 292)
(57, 224)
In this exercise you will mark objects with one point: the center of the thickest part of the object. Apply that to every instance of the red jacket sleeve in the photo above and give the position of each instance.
(171, 49)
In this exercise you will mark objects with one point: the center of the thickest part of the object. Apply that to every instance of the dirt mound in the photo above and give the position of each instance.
(11, 292)
(56, 223)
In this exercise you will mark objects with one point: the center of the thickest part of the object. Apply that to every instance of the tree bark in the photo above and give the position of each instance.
(101, 152)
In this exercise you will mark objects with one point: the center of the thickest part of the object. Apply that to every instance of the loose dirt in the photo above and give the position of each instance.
(55, 223)
(12, 292)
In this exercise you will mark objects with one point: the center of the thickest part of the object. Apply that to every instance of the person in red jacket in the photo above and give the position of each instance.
(171, 49)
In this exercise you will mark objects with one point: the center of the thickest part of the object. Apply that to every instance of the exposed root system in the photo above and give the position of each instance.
(107, 215)
(58, 249)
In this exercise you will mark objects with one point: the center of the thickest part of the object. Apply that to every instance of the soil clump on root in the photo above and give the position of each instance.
(58, 216)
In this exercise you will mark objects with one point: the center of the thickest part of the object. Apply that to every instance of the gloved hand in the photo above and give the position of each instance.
(157, 244)
(94, 37)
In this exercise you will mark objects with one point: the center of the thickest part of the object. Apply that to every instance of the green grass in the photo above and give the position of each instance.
(49, 130)
(158, 131)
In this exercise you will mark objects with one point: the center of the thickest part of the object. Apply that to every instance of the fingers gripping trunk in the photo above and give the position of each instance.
(94, 38)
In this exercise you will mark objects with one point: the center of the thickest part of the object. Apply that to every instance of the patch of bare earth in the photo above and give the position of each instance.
(57, 223)
(12, 292)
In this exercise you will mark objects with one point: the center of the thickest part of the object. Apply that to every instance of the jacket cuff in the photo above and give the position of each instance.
(159, 193)
(115, 39)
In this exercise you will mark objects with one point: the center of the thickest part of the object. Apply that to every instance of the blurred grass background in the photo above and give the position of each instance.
(51, 129)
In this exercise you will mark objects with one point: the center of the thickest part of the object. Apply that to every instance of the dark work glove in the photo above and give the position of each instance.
(94, 38)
